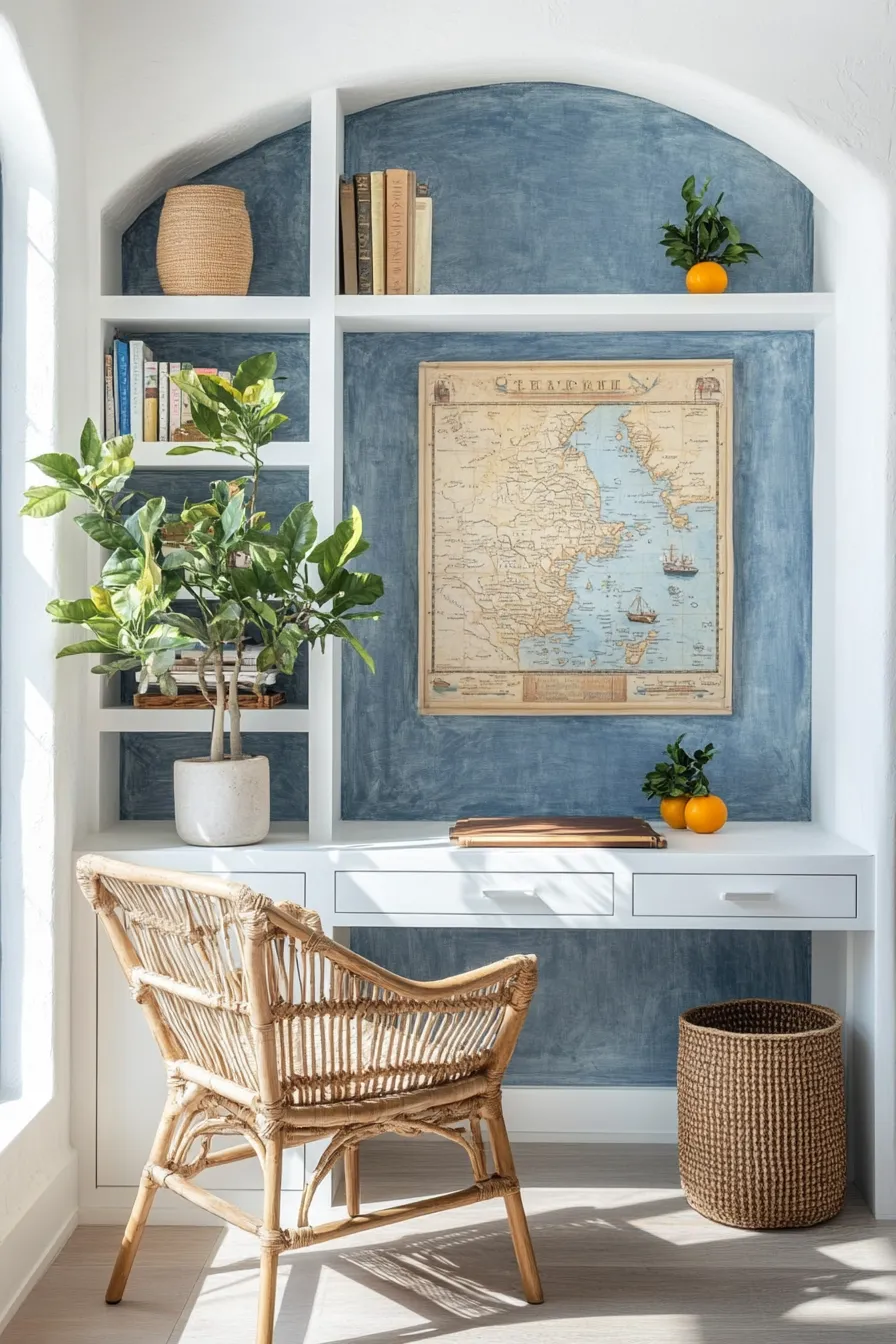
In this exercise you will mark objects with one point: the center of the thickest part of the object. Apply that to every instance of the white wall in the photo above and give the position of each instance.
(42, 398)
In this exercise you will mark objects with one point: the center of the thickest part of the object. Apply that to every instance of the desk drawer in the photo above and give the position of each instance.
(739, 895)
(475, 893)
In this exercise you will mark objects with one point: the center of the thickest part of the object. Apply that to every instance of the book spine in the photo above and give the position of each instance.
(378, 231)
(139, 354)
(123, 365)
(349, 236)
(423, 245)
(150, 401)
(164, 398)
(412, 219)
(396, 231)
(108, 398)
(174, 402)
(362, 215)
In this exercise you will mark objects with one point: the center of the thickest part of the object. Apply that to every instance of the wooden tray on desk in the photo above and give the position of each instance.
(555, 833)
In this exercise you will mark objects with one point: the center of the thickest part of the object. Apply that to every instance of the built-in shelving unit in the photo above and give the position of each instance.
(324, 315)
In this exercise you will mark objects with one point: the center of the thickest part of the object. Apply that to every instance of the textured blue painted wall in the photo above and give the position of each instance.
(147, 771)
(397, 764)
(557, 188)
(619, 1028)
(226, 350)
(276, 179)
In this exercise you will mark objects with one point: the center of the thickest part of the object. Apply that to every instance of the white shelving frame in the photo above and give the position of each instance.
(325, 316)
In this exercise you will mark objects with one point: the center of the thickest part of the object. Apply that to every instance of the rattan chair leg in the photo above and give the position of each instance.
(353, 1180)
(516, 1214)
(270, 1252)
(133, 1233)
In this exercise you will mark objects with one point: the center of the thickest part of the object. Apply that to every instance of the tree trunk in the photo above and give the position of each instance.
(236, 735)
(217, 751)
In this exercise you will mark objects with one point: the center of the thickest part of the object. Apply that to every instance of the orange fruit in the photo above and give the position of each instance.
(707, 277)
(706, 814)
(672, 811)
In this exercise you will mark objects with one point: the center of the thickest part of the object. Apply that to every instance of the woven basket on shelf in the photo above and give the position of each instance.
(205, 241)
(761, 1113)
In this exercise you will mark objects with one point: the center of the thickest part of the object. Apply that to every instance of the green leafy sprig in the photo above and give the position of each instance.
(706, 235)
(681, 775)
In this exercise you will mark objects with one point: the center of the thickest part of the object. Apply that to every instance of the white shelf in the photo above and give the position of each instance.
(280, 454)
(158, 312)
(584, 312)
(127, 719)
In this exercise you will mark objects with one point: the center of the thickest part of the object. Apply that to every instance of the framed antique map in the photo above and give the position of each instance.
(575, 537)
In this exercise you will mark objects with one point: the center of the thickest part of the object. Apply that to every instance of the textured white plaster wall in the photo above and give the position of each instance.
(42, 396)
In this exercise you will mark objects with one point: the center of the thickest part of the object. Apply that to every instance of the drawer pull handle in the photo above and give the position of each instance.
(747, 896)
(503, 892)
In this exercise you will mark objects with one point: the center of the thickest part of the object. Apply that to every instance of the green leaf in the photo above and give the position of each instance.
(119, 447)
(206, 419)
(187, 449)
(84, 646)
(60, 467)
(255, 370)
(106, 533)
(91, 445)
(687, 190)
(71, 613)
(218, 390)
(298, 532)
(266, 659)
(342, 632)
(334, 550)
(42, 501)
(358, 590)
(262, 610)
(116, 665)
(233, 516)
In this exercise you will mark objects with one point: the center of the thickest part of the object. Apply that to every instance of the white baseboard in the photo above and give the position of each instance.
(37, 1238)
(591, 1114)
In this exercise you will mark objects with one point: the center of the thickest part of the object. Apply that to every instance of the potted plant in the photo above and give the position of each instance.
(707, 243)
(286, 587)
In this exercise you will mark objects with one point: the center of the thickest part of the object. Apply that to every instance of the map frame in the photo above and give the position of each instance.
(713, 382)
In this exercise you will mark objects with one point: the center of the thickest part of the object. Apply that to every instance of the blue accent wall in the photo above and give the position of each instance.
(226, 350)
(605, 1013)
(275, 175)
(562, 189)
(399, 765)
(146, 775)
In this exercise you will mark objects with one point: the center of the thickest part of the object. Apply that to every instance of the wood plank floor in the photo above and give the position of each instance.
(624, 1261)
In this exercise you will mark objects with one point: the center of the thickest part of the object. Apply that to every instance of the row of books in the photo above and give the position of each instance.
(185, 671)
(386, 233)
(140, 399)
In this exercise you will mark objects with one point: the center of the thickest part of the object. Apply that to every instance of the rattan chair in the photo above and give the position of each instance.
(273, 1033)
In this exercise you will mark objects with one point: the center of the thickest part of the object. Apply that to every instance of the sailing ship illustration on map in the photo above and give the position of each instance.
(550, 494)
(639, 611)
(680, 564)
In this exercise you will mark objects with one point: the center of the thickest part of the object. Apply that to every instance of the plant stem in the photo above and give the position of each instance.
(217, 748)
(236, 735)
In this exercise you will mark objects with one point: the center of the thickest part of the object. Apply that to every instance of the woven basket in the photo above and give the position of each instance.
(205, 241)
(761, 1113)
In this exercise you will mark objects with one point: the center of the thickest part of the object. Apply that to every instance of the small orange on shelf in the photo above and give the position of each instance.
(706, 277)
(705, 814)
(672, 811)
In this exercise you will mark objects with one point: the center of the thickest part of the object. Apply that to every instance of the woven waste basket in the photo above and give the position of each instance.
(761, 1113)
(205, 241)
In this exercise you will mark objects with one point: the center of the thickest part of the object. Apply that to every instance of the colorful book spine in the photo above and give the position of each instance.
(412, 219)
(139, 354)
(174, 402)
(108, 398)
(423, 245)
(150, 401)
(349, 236)
(362, 215)
(378, 231)
(164, 397)
(123, 367)
(397, 211)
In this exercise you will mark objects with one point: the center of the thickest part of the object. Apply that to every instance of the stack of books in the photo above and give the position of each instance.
(186, 668)
(140, 399)
(386, 233)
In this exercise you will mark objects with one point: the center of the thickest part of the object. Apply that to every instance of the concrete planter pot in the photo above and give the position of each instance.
(222, 802)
